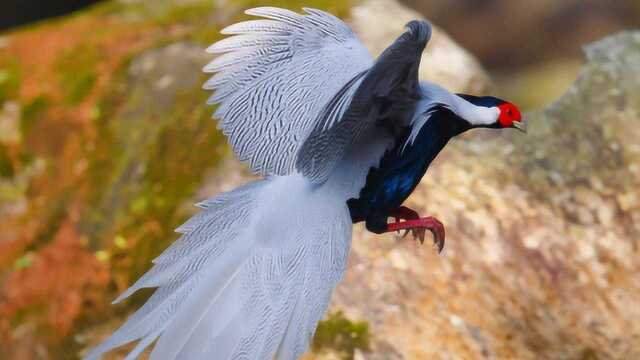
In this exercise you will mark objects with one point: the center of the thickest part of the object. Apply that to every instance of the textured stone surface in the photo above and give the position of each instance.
(379, 22)
(543, 231)
(508, 33)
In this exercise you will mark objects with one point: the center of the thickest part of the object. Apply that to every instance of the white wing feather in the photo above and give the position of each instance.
(274, 79)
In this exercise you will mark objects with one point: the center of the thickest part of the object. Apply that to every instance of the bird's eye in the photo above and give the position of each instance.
(508, 111)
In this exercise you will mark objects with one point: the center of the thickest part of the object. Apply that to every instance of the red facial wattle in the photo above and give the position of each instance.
(509, 113)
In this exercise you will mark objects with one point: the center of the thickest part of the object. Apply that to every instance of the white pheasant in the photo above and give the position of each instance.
(340, 138)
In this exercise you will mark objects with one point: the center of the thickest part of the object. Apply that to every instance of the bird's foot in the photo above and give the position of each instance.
(404, 213)
(418, 226)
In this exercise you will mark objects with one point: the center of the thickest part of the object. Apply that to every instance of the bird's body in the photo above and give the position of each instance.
(403, 165)
(340, 138)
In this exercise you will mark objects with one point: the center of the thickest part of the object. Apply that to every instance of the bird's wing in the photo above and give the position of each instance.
(276, 77)
(391, 83)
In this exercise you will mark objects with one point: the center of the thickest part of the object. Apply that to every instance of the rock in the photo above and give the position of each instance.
(529, 262)
(443, 62)
(499, 32)
(628, 201)
(10, 123)
(522, 275)
(531, 269)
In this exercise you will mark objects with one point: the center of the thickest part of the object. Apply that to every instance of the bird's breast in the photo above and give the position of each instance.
(400, 170)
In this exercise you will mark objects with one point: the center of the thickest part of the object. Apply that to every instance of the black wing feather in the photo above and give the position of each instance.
(392, 79)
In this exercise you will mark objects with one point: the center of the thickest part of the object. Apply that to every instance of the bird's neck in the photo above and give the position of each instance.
(478, 111)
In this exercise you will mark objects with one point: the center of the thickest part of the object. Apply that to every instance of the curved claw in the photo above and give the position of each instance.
(418, 234)
(438, 235)
(404, 213)
(418, 229)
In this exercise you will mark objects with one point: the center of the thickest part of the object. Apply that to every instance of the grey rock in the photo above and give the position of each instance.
(533, 267)
(379, 22)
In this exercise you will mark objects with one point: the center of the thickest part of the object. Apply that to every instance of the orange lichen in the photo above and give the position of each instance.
(61, 282)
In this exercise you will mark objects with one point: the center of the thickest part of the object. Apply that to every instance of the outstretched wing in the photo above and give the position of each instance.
(276, 77)
(391, 85)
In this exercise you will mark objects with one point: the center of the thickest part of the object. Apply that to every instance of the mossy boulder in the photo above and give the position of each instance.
(105, 139)
(112, 143)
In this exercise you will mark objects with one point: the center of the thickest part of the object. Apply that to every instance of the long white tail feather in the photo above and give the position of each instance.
(222, 291)
(290, 346)
(143, 344)
(250, 277)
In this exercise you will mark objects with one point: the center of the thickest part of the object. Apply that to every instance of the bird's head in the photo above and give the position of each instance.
(510, 117)
(492, 112)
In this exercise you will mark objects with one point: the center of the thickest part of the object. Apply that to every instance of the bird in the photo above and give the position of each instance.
(337, 138)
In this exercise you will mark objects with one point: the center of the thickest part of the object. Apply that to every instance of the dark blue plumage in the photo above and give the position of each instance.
(401, 168)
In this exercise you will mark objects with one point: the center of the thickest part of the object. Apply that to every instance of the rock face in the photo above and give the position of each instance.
(106, 141)
(543, 231)
(379, 22)
(508, 33)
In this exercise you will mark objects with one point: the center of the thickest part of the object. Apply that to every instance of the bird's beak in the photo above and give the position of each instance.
(520, 125)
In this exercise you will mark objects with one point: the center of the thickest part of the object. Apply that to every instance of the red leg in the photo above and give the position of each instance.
(419, 226)
(404, 213)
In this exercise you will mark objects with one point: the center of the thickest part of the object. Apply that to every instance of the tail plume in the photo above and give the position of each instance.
(228, 289)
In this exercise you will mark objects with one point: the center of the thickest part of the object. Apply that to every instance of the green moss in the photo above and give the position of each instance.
(10, 79)
(339, 334)
(190, 13)
(6, 165)
(26, 158)
(79, 87)
(77, 73)
(31, 112)
(182, 152)
(51, 220)
(146, 163)
(25, 314)
(158, 12)
(338, 8)
(205, 33)
(109, 8)
(24, 261)
(197, 12)
(197, 15)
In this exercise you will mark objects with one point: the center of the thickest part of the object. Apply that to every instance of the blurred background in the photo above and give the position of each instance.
(105, 142)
